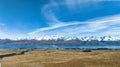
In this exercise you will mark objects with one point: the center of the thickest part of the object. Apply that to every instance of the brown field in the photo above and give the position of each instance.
(64, 58)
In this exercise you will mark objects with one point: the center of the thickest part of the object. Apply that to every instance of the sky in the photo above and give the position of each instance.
(69, 18)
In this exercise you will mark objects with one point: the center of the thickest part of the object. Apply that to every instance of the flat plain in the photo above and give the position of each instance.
(63, 58)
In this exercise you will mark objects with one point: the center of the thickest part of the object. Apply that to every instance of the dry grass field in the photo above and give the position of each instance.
(64, 58)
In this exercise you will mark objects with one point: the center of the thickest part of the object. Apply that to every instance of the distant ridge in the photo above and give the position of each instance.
(86, 38)
(87, 41)
(104, 38)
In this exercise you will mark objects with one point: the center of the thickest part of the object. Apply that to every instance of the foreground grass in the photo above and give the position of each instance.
(64, 58)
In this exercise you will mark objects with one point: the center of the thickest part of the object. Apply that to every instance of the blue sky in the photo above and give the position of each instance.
(71, 18)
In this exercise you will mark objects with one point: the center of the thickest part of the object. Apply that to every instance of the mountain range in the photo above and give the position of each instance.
(104, 38)
(86, 41)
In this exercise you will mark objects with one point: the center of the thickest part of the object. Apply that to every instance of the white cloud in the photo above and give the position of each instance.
(48, 9)
(54, 27)
(6, 33)
(100, 27)
(96, 27)
(48, 12)
(73, 4)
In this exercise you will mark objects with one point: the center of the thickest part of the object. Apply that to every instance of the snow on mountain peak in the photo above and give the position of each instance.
(104, 38)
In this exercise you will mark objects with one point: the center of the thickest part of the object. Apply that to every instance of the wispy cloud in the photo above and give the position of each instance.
(48, 9)
(101, 26)
(2, 31)
(2, 24)
(6, 33)
(73, 4)
(108, 25)
(48, 12)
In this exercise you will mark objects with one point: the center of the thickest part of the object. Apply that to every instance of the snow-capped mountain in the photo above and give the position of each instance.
(104, 38)
(110, 38)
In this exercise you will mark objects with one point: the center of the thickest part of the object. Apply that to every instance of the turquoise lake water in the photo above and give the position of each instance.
(51, 46)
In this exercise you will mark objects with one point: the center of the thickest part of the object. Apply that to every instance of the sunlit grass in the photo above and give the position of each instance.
(64, 58)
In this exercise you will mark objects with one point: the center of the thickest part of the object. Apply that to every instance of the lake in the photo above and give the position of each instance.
(52, 46)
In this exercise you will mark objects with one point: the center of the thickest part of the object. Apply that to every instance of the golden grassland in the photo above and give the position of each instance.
(64, 58)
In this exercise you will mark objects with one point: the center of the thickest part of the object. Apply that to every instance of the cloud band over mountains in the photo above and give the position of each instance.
(69, 18)
(99, 27)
